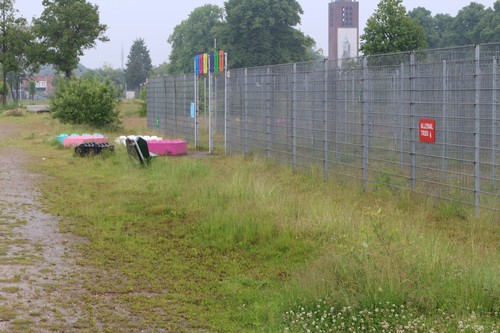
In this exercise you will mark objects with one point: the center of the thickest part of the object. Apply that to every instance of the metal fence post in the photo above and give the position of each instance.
(186, 103)
(210, 116)
(214, 104)
(196, 110)
(269, 89)
(394, 110)
(477, 130)
(364, 124)
(226, 78)
(413, 126)
(401, 117)
(337, 110)
(294, 117)
(494, 122)
(165, 102)
(325, 123)
(175, 103)
(445, 116)
(205, 102)
(245, 113)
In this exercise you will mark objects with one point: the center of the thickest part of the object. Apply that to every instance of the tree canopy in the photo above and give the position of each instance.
(106, 73)
(253, 32)
(15, 42)
(474, 24)
(192, 36)
(138, 65)
(424, 17)
(390, 29)
(65, 29)
(262, 32)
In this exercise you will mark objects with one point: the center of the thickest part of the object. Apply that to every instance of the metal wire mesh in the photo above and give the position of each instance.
(360, 119)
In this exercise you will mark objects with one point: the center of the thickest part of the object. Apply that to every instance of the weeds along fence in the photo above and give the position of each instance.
(425, 121)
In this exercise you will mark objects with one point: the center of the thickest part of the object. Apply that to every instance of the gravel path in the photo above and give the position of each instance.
(35, 259)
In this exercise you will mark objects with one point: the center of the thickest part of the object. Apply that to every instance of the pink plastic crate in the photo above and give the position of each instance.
(73, 141)
(168, 147)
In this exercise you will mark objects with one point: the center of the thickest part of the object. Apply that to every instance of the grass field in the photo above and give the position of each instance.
(233, 244)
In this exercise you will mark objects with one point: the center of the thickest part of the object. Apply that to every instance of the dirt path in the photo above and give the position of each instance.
(35, 259)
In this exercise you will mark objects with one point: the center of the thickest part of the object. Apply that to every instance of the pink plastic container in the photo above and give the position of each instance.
(73, 141)
(168, 147)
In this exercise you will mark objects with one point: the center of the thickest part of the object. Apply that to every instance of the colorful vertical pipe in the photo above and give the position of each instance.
(216, 62)
(221, 61)
(200, 64)
(212, 62)
(205, 63)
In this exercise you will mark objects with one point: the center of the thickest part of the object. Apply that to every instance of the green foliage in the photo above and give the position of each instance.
(323, 316)
(451, 210)
(474, 24)
(254, 33)
(192, 36)
(65, 29)
(464, 25)
(239, 243)
(230, 244)
(391, 30)
(15, 40)
(32, 89)
(143, 106)
(162, 69)
(106, 73)
(138, 65)
(86, 102)
(424, 17)
(262, 32)
(7, 87)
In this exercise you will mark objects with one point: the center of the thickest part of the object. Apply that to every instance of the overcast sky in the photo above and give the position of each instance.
(154, 21)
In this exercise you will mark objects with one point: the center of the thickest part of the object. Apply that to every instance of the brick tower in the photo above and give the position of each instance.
(343, 29)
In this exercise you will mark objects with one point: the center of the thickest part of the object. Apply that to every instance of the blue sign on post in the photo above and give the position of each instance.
(193, 111)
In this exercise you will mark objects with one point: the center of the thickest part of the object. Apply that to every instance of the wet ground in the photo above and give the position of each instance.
(35, 258)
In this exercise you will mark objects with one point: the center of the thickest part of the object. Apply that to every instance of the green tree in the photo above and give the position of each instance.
(316, 54)
(138, 65)
(66, 29)
(488, 28)
(464, 25)
(15, 40)
(106, 73)
(444, 28)
(162, 69)
(390, 29)
(428, 23)
(261, 32)
(192, 36)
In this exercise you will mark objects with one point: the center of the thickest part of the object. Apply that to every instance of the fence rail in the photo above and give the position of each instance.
(357, 118)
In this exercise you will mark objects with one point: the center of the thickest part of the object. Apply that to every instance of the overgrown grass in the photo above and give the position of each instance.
(228, 244)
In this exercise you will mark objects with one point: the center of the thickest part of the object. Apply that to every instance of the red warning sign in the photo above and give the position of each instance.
(427, 129)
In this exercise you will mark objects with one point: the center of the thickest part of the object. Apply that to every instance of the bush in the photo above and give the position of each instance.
(86, 102)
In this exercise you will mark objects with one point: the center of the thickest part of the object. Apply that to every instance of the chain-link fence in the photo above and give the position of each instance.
(427, 121)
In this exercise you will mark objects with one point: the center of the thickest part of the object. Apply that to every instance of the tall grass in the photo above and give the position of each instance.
(232, 244)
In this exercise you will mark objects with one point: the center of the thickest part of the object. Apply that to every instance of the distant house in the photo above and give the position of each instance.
(44, 87)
